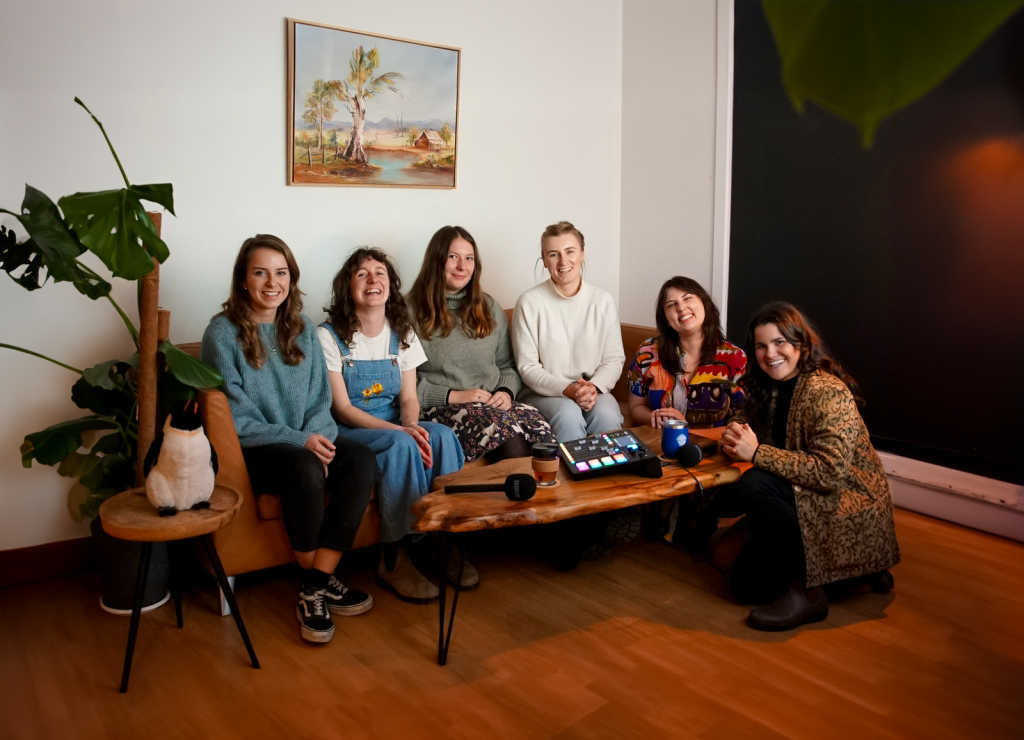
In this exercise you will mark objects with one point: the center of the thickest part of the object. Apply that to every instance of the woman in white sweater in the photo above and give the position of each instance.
(567, 342)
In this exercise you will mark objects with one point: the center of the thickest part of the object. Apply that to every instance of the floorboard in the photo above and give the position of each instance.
(643, 643)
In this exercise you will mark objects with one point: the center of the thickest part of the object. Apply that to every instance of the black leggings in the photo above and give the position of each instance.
(774, 553)
(297, 476)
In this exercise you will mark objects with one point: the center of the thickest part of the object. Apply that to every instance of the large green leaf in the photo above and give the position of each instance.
(99, 375)
(172, 391)
(114, 226)
(54, 443)
(189, 370)
(57, 247)
(865, 60)
(76, 465)
(100, 400)
(14, 256)
(108, 444)
(78, 495)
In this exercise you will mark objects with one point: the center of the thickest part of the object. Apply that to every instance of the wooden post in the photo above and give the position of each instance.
(149, 331)
(163, 325)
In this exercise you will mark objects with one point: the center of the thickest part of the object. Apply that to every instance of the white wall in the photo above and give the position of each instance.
(192, 93)
(669, 123)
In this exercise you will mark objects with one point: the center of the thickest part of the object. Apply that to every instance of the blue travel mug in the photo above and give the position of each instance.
(675, 433)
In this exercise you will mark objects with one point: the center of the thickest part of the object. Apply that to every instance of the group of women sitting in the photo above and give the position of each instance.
(393, 391)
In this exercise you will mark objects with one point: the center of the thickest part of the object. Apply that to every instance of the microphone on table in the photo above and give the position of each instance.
(518, 487)
(692, 453)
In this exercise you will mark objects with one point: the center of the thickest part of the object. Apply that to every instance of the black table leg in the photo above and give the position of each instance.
(133, 630)
(176, 579)
(222, 580)
(444, 641)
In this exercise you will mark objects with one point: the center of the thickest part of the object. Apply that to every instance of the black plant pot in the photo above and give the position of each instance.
(118, 562)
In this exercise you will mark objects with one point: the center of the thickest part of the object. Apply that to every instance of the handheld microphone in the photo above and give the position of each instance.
(518, 487)
(691, 454)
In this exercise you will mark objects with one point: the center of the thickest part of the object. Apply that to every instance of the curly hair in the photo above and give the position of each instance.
(238, 306)
(342, 311)
(814, 355)
(668, 338)
(427, 297)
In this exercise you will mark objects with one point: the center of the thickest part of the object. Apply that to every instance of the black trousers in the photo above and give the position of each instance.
(774, 553)
(297, 476)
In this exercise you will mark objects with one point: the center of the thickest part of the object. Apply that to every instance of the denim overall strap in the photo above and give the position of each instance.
(345, 351)
(372, 385)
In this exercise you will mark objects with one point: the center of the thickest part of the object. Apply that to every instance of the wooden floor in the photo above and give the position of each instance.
(642, 643)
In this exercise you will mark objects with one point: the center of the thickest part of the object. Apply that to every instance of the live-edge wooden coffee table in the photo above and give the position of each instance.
(452, 514)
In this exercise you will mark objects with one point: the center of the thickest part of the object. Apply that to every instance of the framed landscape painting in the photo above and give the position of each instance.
(370, 110)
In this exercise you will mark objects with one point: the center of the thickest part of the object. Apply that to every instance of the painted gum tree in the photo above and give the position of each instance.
(356, 89)
(320, 106)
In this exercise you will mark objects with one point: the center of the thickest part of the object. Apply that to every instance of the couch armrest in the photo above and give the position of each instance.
(220, 430)
(247, 543)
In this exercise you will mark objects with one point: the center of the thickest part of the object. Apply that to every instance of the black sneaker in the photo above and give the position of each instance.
(317, 625)
(348, 602)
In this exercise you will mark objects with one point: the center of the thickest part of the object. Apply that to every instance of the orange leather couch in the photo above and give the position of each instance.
(256, 537)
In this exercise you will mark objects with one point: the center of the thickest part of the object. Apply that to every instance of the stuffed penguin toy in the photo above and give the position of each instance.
(181, 463)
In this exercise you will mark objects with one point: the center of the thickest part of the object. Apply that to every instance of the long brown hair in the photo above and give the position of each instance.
(238, 306)
(668, 338)
(342, 311)
(427, 297)
(814, 355)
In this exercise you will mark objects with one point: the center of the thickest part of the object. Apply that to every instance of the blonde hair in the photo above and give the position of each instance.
(559, 229)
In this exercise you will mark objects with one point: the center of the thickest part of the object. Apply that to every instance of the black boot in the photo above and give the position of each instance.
(797, 606)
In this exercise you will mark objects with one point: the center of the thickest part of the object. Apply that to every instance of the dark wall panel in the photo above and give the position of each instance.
(908, 256)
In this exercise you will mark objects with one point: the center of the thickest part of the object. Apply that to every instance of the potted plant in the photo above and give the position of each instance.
(113, 225)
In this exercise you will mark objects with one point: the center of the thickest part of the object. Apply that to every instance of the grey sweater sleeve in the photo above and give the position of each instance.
(430, 394)
(503, 356)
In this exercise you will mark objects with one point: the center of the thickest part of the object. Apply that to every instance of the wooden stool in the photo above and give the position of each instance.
(130, 516)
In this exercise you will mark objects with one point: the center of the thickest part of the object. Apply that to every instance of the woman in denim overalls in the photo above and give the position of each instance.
(372, 372)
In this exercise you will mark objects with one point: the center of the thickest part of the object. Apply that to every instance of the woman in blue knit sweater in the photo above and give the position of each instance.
(276, 382)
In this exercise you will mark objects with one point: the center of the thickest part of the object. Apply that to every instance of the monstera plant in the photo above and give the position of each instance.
(113, 225)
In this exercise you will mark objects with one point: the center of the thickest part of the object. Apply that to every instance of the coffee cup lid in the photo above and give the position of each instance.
(545, 451)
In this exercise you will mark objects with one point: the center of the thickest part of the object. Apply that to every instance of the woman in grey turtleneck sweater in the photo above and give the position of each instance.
(469, 381)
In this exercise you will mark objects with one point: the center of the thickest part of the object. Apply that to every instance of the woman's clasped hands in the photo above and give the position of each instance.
(422, 439)
(583, 392)
(498, 399)
(739, 442)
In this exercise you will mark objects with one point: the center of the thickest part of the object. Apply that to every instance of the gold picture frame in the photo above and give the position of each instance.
(352, 124)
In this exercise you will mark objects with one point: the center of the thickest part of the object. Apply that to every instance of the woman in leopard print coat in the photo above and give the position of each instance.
(819, 510)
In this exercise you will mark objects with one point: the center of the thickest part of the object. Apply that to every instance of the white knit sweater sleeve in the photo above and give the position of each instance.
(613, 356)
(524, 343)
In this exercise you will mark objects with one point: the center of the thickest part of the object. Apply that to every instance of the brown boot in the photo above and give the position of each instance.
(797, 606)
(470, 578)
(725, 548)
(406, 582)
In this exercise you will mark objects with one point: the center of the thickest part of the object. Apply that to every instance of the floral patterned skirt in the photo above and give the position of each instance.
(482, 428)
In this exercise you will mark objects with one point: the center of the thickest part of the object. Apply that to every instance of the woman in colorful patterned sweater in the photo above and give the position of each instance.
(817, 503)
(688, 371)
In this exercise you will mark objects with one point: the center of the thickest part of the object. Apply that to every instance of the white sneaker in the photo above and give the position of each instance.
(406, 582)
